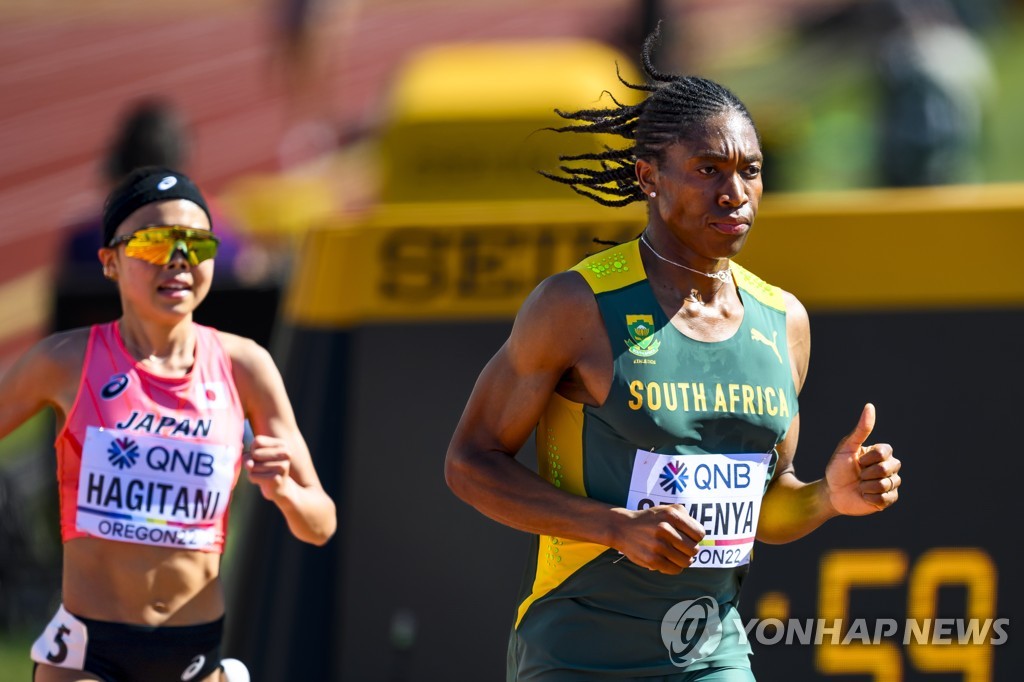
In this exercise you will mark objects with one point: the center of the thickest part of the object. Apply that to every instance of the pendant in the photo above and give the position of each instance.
(695, 297)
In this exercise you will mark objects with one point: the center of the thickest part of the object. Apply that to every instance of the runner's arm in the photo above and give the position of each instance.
(280, 463)
(859, 479)
(47, 375)
(792, 508)
(554, 330)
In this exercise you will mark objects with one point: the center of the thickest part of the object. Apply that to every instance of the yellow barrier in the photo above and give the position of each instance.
(950, 247)
(464, 121)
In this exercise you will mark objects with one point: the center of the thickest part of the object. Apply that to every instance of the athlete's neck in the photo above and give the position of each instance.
(168, 350)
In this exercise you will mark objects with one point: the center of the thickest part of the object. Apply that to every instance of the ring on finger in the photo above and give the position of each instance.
(892, 484)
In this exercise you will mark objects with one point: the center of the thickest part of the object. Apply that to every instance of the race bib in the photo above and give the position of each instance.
(63, 643)
(153, 490)
(721, 492)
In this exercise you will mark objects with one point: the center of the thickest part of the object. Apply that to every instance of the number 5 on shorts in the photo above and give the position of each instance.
(62, 643)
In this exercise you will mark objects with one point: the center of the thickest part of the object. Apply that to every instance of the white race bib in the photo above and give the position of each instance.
(63, 644)
(721, 492)
(153, 490)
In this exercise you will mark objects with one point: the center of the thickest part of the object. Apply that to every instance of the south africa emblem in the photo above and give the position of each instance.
(641, 330)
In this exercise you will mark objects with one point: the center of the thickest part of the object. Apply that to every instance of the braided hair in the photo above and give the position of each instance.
(674, 107)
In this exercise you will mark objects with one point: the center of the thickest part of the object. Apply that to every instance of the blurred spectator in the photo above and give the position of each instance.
(307, 39)
(151, 132)
(293, 41)
(936, 81)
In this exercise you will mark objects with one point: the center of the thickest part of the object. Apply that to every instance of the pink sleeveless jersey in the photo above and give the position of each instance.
(148, 459)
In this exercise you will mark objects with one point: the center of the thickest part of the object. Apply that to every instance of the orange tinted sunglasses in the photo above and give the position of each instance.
(157, 244)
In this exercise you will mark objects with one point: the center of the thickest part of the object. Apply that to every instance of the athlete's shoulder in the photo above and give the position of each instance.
(562, 297)
(557, 322)
(798, 333)
(795, 310)
(50, 368)
(256, 376)
(64, 349)
(765, 293)
(613, 268)
(241, 349)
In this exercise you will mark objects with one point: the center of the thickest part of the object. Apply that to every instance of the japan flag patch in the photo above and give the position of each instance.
(212, 395)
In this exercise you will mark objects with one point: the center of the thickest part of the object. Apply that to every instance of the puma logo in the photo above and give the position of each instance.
(756, 335)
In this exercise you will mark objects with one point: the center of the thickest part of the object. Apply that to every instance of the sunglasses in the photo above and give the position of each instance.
(157, 245)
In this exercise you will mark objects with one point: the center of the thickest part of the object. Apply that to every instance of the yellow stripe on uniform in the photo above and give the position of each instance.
(613, 268)
(767, 294)
(560, 462)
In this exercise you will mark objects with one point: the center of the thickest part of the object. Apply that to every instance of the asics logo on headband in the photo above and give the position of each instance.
(194, 667)
(167, 183)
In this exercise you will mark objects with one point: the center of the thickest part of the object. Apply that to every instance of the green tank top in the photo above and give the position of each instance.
(685, 421)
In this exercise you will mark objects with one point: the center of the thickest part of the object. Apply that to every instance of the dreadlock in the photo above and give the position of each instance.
(674, 106)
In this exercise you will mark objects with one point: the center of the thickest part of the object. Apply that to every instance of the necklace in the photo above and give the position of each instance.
(720, 275)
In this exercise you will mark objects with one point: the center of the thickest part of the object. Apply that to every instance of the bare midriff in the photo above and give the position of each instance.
(142, 585)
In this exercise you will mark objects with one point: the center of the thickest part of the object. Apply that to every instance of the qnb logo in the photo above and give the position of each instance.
(167, 183)
(691, 630)
(114, 387)
(673, 477)
(123, 453)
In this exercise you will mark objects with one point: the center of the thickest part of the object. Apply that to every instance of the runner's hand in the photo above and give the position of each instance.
(662, 538)
(862, 479)
(269, 466)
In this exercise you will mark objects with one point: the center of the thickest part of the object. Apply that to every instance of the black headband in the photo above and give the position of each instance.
(144, 186)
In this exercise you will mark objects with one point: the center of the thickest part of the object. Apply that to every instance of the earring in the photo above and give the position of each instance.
(654, 194)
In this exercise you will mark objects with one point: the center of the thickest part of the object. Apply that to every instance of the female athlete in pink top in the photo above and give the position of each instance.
(146, 458)
(150, 412)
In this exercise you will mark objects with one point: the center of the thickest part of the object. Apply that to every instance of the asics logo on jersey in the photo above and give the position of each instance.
(193, 668)
(114, 387)
(673, 477)
(123, 453)
(756, 335)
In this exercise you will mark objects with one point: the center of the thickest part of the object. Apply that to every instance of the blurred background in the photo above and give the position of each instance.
(372, 169)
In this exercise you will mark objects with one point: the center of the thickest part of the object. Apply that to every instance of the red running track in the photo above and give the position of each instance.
(65, 80)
